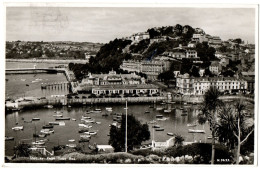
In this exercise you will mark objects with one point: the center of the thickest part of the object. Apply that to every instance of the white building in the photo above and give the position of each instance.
(163, 145)
(187, 85)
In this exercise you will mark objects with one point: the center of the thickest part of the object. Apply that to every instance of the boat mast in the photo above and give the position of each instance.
(126, 125)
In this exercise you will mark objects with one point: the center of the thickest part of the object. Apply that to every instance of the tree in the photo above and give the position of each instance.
(210, 109)
(240, 126)
(22, 150)
(166, 76)
(136, 134)
(178, 140)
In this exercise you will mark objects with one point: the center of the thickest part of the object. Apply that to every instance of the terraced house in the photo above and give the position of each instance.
(188, 85)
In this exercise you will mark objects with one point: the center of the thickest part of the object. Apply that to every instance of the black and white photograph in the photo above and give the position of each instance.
(130, 84)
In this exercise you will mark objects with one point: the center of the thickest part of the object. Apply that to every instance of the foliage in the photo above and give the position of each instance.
(153, 33)
(166, 76)
(136, 134)
(205, 52)
(203, 150)
(210, 109)
(178, 140)
(140, 47)
(225, 127)
(22, 150)
(79, 70)
(237, 127)
(109, 57)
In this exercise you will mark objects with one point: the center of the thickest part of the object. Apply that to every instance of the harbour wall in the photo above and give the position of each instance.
(87, 101)
(46, 61)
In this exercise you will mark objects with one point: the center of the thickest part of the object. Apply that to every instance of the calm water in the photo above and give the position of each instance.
(175, 124)
(17, 84)
(15, 87)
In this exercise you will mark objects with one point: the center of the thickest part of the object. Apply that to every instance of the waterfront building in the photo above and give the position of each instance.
(105, 148)
(163, 145)
(188, 85)
(126, 89)
(112, 78)
(249, 77)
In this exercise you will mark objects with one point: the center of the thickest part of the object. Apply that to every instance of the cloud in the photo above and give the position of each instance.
(105, 24)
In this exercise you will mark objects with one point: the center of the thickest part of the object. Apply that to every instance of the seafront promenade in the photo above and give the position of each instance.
(64, 101)
(33, 101)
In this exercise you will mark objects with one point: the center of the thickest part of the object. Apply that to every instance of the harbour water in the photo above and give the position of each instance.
(16, 87)
(175, 124)
(25, 85)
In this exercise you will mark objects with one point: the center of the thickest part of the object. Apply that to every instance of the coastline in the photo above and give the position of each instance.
(58, 61)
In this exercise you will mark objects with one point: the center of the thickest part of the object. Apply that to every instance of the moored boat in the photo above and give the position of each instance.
(85, 117)
(38, 143)
(47, 131)
(62, 118)
(159, 129)
(49, 106)
(91, 133)
(192, 125)
(167, 111)
(170, 134)
(85, 136)
(71, 145)
(47, 126)
(71, 140)
(196, 131)
(159, 108)
(146, 112)
(27, 121)
(163, 119)
(159, 116)
(9, 138)
(17, 128)
(152, 122)
(54, 123)
(41, 135)
(35, 119)
(156, 126)
(82, 130)
(57, 115)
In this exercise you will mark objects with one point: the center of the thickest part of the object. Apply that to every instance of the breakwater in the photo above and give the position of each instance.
(47, 61)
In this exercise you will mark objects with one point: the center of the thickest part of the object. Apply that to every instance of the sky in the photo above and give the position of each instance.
(103, 24)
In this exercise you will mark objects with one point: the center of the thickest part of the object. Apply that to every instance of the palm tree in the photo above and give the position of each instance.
(178, 140)
(242, 126)
(224, 129)
(210, 108)
(234, 126)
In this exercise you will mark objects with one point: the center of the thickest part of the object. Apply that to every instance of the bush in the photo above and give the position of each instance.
(203, 150)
